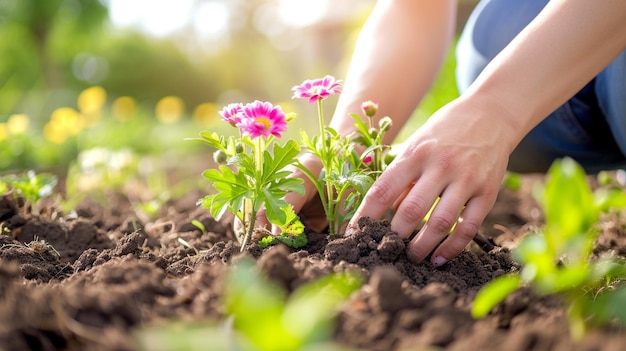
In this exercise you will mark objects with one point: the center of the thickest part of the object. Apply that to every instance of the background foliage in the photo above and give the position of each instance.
(72, 79)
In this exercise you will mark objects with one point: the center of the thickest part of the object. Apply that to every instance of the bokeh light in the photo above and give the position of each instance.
(18, 124)
(170, 109)
(90, 103)
(123, 108)
(205, 114)
(64, 122)
(4, 132)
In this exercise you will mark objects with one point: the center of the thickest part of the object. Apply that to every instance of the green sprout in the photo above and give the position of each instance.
(558, 259)
(32, 187)
(196, 223)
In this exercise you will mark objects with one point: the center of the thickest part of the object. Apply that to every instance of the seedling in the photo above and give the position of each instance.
(557, 260)
(32, 187)
(196, 223)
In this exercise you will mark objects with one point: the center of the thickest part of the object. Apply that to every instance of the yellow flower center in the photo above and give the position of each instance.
(265, 121)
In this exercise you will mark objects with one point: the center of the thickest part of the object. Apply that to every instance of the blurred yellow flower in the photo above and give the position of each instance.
(4, 131)
(123, 108)
(54, 133)
(170, 109)
(90, 103)
(64, 122)
(205, 114)
(18, 124)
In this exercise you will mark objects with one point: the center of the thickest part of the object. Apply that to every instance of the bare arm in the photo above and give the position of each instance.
(567, 45)
(397, 56)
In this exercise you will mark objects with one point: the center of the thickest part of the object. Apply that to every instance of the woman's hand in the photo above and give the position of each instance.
(459, 156)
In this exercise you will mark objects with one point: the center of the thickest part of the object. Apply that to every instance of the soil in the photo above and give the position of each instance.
(88, 280)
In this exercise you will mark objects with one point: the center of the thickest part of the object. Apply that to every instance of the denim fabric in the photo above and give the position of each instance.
(590, 127)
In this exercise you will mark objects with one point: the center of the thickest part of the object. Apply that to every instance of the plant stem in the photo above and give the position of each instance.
(327, 164)
(258, 185)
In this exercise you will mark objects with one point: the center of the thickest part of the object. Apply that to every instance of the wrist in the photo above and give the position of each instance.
(496, 112)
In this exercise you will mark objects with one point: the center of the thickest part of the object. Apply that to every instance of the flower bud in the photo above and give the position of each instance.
(367, 159)
(219, 157)
(369, 108)
(384, 124)
(373, 133)
(290, 116)
(239, 148)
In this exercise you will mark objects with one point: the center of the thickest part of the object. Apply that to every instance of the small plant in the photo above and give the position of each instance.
(262, 317)
(32, 187)
(345, 175)
(558, 260)
(196, 223)
(258, 177)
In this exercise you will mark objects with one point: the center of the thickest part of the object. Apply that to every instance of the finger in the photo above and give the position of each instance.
(439, 224)
(384, 191)
(411, 211)
(474, 213)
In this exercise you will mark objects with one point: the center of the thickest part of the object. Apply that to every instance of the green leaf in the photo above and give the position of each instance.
(295, 241)
(568, 204)
(361, 182)
(283, 156)
(493, 293)
(513, 181)
(274, 208)
(258, 306)
(243, 161)
(232, 188)
(364, 138)
(607, 199)
(310, 310)
(292, 185)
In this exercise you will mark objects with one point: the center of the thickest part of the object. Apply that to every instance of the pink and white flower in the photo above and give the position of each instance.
(232, 113)
(262, 118)
(317, 89)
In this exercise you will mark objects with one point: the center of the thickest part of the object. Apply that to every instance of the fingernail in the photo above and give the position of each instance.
(350, 230)
(439, 261)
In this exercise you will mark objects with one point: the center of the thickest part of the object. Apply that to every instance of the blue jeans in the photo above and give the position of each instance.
(590, 127)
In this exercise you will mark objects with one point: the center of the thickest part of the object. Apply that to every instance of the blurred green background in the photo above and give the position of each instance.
(144, 75)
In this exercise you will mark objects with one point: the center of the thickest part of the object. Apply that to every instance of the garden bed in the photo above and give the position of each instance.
(102, 275)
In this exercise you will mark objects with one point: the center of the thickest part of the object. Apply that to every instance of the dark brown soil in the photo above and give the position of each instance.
(102, 273)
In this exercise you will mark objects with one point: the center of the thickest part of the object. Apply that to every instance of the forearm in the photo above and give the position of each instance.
(559, 52)
(396, 58)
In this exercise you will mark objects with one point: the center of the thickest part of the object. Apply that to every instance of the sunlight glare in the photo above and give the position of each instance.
(302, 13)
(157, 17)
(211, 19)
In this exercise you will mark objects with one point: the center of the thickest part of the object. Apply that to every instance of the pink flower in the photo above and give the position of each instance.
(369, 108)
(231, 113)
(262, 118)
(317, 89)
(367, 159)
